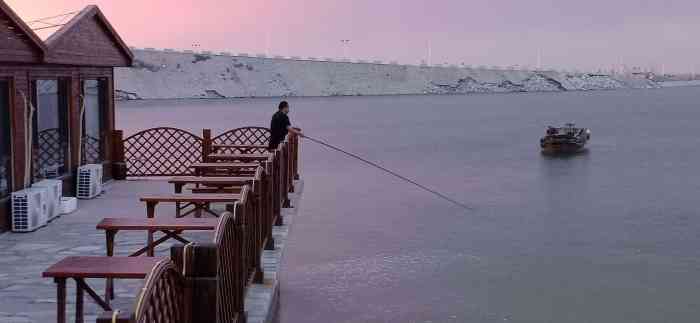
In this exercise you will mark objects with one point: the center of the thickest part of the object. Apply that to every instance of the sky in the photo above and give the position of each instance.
(581, 34)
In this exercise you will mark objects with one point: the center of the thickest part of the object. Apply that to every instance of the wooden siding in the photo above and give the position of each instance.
(16, 46)
(88, 42)
(20, 78)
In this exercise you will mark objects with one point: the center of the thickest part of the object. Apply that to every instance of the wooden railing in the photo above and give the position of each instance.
(212, 279)
(170, 151)
(207, 282)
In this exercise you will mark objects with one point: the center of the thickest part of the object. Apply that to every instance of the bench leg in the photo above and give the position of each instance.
(151, 209)
(168, 235)
(178, 190)
(109, 286)
(207, 209)
(60, 300)
(151, 247)
(79, 304)
(84, 286)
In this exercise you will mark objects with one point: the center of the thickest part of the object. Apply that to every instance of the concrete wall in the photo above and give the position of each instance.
(169, 74)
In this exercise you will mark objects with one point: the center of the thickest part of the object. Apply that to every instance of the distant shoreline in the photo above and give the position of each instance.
(185, 75)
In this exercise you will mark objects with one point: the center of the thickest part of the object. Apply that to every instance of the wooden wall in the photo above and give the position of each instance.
(86, 43)
(20, 78)
(16, 46)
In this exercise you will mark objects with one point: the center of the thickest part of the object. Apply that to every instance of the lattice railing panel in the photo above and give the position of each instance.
(244, 136)
(91, 150)
(49, 157)
(163, 298)
(162, 152)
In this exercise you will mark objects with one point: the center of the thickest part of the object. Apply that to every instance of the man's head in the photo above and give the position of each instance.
(284, 107)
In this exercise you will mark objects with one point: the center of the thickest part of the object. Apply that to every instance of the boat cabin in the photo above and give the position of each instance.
(56, 99)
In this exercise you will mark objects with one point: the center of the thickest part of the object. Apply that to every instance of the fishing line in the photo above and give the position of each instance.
(442, 196)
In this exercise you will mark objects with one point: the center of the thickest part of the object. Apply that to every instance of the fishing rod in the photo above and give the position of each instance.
(442, 196)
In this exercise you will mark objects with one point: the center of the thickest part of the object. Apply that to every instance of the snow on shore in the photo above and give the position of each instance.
(168, 75)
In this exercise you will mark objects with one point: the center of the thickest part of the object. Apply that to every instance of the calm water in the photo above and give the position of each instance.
(608, 236)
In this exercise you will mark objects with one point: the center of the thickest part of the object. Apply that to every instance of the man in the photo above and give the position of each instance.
(280, 126)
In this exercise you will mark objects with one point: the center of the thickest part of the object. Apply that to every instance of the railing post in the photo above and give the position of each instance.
(206, 144)
(290, 165)
(284, 172)
(295, 157)
(119, 170)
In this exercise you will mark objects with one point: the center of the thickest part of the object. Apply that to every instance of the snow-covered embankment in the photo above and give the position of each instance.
(168, 74)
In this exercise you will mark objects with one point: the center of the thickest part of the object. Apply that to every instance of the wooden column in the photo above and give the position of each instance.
(74, 122)
(206, 144)
(19, 114)
(119, 170)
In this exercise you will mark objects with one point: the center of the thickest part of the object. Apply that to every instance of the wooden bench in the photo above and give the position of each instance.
(244, 158)
(201, 202)
(164, 299)
(218, 272)
(271, 177)
(217, 183)
(245, 149)
(227, 169)
(281, 167)
(80, 268)
(172, 228)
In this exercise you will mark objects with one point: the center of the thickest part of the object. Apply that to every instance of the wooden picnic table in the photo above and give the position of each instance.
(172, 228)
(80, 268)
(201, 169)
(211, 181)
(245, 158)
(200, 202)
(242, 148)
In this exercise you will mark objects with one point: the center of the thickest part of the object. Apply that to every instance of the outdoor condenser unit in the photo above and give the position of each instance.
(89, 181)
(29, 209)
(53, 197)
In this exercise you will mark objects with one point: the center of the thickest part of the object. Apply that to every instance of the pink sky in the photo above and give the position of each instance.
(574, 34)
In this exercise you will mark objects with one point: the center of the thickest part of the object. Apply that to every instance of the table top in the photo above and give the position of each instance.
(198, 198)
(200, 224)
(240, 156)
(240, 146)
(103, 267)
(225, 165)
(211, 180)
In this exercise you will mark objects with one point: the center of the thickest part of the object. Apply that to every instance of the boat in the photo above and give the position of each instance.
(567, 139)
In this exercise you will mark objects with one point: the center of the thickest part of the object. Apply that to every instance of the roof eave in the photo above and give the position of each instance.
(35, 39)
(89, 12)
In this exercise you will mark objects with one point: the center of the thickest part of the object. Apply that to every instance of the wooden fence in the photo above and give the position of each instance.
(168, 151)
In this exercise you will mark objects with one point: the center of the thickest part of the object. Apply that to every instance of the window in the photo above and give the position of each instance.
(50, 128)
(5, 148)
(93, 122)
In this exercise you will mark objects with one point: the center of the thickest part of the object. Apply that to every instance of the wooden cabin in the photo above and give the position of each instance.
(44, 86)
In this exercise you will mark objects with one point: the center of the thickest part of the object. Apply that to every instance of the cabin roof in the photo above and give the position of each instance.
(88, 13)
(24, 30)
(45, 27)
(86, 39)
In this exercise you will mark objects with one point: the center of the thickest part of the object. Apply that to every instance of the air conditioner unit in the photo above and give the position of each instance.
(29, 209)
(53, 198)
(89, 181)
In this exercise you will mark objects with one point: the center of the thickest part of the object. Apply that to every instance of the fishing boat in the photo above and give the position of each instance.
(567, 139)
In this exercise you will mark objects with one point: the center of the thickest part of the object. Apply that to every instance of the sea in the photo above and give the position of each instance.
(611, 234)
